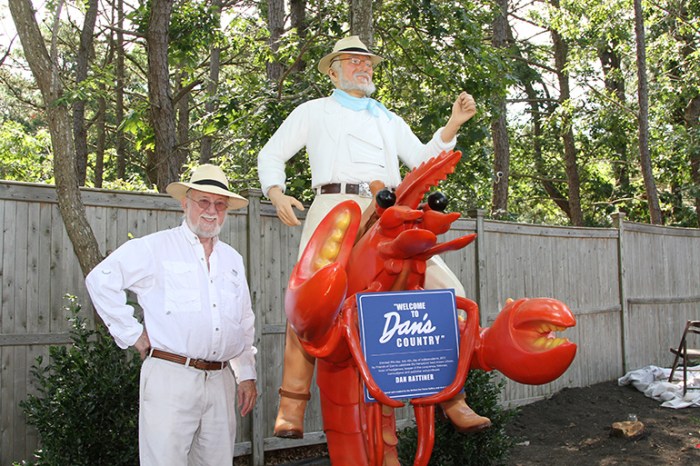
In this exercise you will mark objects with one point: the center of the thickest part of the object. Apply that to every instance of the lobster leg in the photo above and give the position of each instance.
(425, 421)
(389, 439)
(344, 422)
(374, 441)
(358, 433)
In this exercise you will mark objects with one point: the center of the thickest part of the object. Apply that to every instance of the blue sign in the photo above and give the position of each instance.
(410, 340)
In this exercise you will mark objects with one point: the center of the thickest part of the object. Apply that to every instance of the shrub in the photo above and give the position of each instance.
(86, 409)
(489, 447)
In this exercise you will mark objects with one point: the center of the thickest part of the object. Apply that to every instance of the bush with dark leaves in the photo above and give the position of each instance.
(86, 408)
(488, 447)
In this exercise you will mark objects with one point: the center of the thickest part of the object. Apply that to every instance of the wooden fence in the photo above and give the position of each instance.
(631, 288)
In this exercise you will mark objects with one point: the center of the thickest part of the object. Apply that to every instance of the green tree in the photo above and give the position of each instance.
(674, 81)
(45, 70)
(25, 156)
(433, 51)
(218, 84)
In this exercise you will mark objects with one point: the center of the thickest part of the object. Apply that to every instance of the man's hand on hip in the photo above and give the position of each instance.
(143, 344)
(285, 206)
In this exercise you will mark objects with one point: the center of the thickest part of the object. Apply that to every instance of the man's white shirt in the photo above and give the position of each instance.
(189, 309)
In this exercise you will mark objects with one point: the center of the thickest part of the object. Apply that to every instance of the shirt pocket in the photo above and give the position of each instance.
(181, 288)
(231, 295)
(366, 147)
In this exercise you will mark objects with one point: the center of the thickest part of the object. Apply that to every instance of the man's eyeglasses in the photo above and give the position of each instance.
(356, 61)
(204, 204)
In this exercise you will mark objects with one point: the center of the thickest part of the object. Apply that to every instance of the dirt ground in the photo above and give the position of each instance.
(574, 425)
(573, 428)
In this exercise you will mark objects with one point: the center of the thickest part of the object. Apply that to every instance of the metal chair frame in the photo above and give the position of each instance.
(685, 353)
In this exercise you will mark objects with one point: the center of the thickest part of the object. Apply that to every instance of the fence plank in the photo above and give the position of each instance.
(580, 266)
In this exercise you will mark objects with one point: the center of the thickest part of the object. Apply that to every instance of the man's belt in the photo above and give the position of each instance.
(361, 189)
(196, 363)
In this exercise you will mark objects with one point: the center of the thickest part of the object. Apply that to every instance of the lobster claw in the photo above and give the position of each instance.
(318, 284)
(313, 306)
(522, 343)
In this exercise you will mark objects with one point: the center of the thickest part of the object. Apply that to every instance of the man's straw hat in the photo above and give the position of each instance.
(351, 44)
(209, 179)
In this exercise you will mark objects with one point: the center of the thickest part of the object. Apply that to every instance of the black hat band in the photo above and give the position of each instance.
(218, 184)
(355, 49)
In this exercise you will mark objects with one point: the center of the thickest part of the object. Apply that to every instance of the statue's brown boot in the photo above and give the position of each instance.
(462, 417)
(290, 417)
(294, 393)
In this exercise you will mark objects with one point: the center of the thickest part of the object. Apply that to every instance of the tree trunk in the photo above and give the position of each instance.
(183, 121)
(691, 112)
(45, 73)
(499, 127)
(536, 113)
(101, 117)
(611, 62)
(119, 140)
(101, 140)
(297, 13)
(162, 107)
(275, 25)
(205, 150)
(692, 121)
(361, 21)
(570, 163)
(81, 72)
(643, 118)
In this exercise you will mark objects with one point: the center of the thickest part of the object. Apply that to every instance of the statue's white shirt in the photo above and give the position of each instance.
(344, 145)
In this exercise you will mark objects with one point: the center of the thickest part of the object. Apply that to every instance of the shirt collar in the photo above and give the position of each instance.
(191, 237)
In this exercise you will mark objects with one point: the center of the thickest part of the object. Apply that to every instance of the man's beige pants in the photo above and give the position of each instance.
(187, 416)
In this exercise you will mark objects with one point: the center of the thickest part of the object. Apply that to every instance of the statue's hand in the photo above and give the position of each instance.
(463, 109)
(285, 206)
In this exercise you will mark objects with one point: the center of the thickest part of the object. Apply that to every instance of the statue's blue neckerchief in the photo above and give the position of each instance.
(357, 104)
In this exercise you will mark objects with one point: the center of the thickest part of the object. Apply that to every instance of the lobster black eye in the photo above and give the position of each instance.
(438, 201)
(385, 198)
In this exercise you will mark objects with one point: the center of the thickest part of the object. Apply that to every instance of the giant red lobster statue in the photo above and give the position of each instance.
(321, 308)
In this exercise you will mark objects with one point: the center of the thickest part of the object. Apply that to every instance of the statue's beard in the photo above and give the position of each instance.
(367, 88)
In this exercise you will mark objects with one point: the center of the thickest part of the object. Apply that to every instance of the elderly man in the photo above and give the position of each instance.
(351, 140)
(198, 327)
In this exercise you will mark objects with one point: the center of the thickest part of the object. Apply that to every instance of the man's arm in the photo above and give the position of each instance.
(247, 395)
(106, 284)
(243, 365)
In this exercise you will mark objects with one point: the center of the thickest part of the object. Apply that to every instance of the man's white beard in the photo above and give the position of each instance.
(367, 88)
(207, 234)
(201, 232)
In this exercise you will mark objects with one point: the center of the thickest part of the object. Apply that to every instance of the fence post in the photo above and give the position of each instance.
(619, 222)
(253, 267)
(480, 264)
